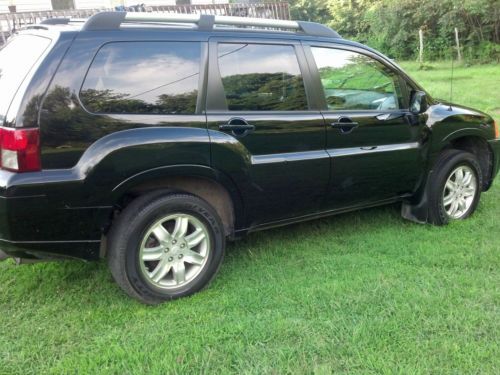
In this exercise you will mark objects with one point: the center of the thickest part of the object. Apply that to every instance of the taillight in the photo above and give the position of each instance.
(497, 131)
(20, 149)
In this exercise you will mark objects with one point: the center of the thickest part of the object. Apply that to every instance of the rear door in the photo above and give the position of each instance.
(372, 139)
(266, 132)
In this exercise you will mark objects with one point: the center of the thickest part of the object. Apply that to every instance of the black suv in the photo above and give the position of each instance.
(150, 139)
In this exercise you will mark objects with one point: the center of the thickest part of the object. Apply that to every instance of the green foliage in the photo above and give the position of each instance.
(392, 25)
(486, 52)
(310, 10)
(106, 101)
(265, 92)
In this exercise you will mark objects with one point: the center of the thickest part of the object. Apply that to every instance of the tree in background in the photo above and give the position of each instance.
(392, 25)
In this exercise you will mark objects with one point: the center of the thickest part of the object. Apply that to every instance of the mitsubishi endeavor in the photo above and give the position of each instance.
(150, 139)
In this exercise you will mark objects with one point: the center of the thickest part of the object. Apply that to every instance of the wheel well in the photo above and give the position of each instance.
(478, 147)
(208, 190)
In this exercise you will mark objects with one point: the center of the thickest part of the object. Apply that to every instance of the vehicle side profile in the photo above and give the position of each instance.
(152, 139)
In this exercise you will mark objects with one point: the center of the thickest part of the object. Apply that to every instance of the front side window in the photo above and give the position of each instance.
(261, 77)
(354, 81)
(143, 78)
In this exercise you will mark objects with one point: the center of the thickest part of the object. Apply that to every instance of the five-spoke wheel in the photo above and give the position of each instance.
(174, 250)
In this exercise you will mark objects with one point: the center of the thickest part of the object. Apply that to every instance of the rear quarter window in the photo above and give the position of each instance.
(143, 78)
(17, 58)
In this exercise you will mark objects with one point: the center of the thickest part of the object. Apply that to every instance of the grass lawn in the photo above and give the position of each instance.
(365, 292)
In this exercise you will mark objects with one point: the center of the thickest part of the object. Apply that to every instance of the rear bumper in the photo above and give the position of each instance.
(36, 220)
(495, 147)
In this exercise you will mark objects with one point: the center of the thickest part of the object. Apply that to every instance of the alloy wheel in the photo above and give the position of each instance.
(459, 192)
(174, 251)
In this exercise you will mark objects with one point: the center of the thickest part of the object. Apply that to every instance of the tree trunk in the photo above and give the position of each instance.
(421, 46)
(459, 54)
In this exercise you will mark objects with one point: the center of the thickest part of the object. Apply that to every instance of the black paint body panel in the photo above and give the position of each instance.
(294, 166)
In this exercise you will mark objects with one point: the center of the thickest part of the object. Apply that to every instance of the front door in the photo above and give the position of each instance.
(265, 133)
(372, 139)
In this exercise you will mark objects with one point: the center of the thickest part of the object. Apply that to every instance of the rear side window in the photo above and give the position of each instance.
(260, 77)
(17, 58)
(354, 81)
(143, 78)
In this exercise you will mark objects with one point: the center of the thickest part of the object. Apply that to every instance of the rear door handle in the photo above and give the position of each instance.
(236, 127)
(344, 124)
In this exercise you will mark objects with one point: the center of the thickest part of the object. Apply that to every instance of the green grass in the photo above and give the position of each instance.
(365, 292)
(475, 86)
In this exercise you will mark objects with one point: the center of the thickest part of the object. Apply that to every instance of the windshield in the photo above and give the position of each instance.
(17, 58)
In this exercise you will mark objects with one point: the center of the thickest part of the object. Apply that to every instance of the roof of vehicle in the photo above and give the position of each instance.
(205, 24)
(107, 21)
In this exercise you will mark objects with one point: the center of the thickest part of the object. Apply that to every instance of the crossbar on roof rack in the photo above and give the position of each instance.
(113, 20)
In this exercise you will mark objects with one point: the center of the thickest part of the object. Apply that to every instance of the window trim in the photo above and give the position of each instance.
(319, 87)
(199, 110)
(216, 101)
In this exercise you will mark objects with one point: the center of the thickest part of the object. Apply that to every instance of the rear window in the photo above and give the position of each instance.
(143, 78)
(17, 58)
(261, 77)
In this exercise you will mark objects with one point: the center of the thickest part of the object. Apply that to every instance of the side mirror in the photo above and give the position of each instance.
(418, 102)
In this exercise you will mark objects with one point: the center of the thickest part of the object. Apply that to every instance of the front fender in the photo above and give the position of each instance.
(449, 122)
(446, 123)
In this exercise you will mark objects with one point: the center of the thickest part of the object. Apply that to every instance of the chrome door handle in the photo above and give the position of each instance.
(236, 127)
(345, 124)
(352, 124)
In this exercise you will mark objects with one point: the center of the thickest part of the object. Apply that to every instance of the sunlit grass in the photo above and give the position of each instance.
(365, 292)
(474, 86)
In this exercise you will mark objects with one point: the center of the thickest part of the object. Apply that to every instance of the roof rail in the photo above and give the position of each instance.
(56, 21)
(113, 21)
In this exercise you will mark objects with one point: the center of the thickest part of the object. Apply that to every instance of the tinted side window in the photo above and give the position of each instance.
(17, 58)
(261, 77)
(354, 81)
(143, 77)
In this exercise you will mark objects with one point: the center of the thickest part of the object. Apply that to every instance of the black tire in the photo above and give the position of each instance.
(128, 233)
(446, 163)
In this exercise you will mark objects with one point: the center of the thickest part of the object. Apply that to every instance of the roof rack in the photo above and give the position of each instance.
(56, 21)
(206, 22)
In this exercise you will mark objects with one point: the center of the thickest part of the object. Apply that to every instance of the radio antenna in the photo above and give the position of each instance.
(451, 81)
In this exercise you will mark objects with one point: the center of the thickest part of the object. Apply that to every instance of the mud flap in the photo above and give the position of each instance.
(417, 212)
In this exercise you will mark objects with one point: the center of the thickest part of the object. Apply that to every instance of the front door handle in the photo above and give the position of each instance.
(345, 124)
